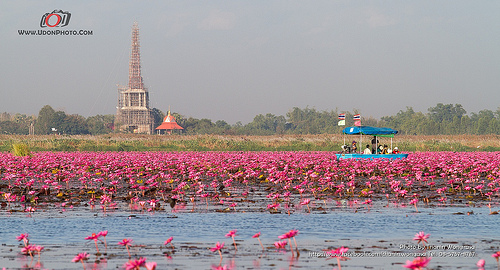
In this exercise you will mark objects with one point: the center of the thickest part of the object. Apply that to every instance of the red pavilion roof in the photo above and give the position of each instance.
(169, 123)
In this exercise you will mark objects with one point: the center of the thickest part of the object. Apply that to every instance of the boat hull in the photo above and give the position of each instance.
(371, 156)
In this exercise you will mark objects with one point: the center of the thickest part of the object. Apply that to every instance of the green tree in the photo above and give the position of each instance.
(266, 124)
(58, 121)
(222, 124)
(43, 124)
(445, 113)
(481, 121)
(205, 126)
(197, 126)
(158, 116)
(73, 124)
(406, 122)
(179, 119)
(100, 124)
(454, 126)
(465, 125)
(9, 127)
(306, 121)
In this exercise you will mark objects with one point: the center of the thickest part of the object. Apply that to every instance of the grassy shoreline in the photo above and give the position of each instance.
(324, 142)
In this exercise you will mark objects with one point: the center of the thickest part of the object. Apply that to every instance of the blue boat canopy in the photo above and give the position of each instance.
(366, 130)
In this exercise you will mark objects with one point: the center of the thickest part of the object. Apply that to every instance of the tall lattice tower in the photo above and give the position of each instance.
(133, 112)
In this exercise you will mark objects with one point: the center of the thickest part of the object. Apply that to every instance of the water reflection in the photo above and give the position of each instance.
(194, 233)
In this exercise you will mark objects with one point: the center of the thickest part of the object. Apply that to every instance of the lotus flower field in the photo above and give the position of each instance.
(262, 183)
(282, 181)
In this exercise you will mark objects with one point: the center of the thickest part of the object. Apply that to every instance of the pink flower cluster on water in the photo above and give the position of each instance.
(418, 263)
(292, 178)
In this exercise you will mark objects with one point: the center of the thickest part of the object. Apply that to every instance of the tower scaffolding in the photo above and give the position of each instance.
(133, 112)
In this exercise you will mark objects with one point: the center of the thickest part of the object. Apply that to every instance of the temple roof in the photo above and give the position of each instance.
(169, 123)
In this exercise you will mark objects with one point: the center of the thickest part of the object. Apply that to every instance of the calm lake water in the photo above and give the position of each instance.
(381, 232)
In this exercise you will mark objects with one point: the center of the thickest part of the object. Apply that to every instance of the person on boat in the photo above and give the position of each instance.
(396, 150)
(385, 150)
(379, 149)
(367, 150)
(374, 144)
(345, 149)
(354, 147)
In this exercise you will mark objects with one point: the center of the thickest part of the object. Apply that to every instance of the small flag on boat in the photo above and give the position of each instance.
(341, 116)
(356, 117)
(357, 123)
(341, 123)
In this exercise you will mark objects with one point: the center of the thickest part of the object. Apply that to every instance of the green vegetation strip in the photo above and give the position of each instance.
(21, 145)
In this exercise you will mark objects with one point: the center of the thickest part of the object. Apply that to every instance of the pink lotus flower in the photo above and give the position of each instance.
(292, 234)
(273, 206)
(280, 244)
(38, 250)
(27, 250)
(305, 201)
(480, 264)
(288, 235)
(126, 242)
(232, 234)
(150, 265)
(169, 241)
(219, 267)
(338, 254)
(218, 247)
(104, 234)
(94, 237)
(23, 237)
(257, 235)
(418, 263)
(80, 258)
(414, 202)
(421, 237)
(496, 255)
(285, 236)
(135, 264)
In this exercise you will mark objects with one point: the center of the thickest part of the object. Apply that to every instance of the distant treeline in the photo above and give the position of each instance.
(445, 119)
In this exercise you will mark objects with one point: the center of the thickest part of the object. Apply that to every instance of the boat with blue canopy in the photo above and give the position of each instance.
(372, 131)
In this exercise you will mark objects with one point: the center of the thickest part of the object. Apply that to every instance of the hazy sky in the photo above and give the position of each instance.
(231, 60)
